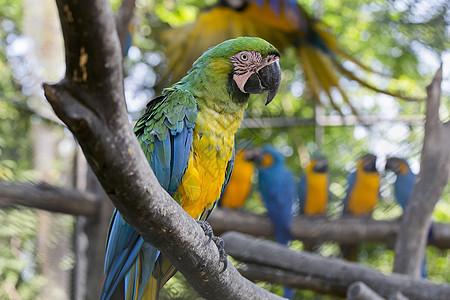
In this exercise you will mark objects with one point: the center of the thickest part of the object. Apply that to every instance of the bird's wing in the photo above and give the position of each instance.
(283, 23)
(165, 133)
(350, 181)
(302, 194)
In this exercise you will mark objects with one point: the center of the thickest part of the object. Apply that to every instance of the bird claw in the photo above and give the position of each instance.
(207, 229)
(217, 240)
(222, 254)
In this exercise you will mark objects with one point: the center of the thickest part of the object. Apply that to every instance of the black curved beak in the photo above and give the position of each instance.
(392, 164)
(369, 163)
(321, 165)
(267, 79)
(254, 155)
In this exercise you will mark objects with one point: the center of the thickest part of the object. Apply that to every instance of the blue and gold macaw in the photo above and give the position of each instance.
(187, 135)
(404, 182)
(238, 188)
(284, 23)
(403, 187)
(278, 190)
(363, 187)
(313, 193)
(313, 188)
(362, 195)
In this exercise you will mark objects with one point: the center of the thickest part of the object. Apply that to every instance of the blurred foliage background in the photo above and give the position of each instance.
(406, 39)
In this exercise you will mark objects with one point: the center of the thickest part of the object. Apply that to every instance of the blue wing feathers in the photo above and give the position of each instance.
(403, 187)
(350, 181)
(165, 133)
(302, 194)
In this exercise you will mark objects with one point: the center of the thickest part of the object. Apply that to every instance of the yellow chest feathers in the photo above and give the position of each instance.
(316, 193)
(364, 194)
(213, 145)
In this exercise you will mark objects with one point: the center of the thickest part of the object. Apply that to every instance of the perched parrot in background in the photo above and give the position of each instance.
(278, 190)
(403, 187)
(363, 187)
(313, 193)
(238, 188)
(405, 179)
(187, 135)
(313, 188)
(362, 195)
(284, 23)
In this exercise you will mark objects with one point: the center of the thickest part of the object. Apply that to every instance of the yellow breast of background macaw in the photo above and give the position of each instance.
(240, 183)
(365, 193)
(316, 193)
(212, 148)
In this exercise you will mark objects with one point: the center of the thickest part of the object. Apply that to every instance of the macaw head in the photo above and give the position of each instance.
(249, 65)
(398, 165)
(319, 164)
(265, 157)
(368, 163)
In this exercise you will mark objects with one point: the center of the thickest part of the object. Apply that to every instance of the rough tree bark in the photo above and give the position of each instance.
(90, 101)
(323, 275)
(428, 188)
(348, 229)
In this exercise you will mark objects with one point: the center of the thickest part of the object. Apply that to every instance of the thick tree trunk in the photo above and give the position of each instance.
(324, 275)
(428, 188)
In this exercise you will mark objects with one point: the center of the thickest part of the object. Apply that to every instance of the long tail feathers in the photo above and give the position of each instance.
(318, 50)
(162, 272)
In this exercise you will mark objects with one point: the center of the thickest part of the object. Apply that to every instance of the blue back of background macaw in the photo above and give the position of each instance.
(350, 182)
(403, 187)
(278, 190)
(302, 194)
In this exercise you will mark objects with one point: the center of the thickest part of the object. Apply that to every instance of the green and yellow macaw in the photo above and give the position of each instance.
(285, 24)
(187, 135)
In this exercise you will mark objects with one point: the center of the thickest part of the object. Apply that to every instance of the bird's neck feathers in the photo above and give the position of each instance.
(211, 84)
(208, 83)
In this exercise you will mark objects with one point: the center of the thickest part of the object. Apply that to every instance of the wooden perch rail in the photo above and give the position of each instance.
(360, 291)
(48, 197)
(349, 229)
(90, 101)
(323, 120)
(324, 275)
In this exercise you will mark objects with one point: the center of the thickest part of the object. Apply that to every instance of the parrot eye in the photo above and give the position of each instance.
(244, 56)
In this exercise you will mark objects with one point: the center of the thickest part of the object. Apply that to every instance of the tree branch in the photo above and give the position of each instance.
(428, 188)
(123, 18)
(90, 101)
(48, 197)
(336, 274)
(343, 230)
(359, 291)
